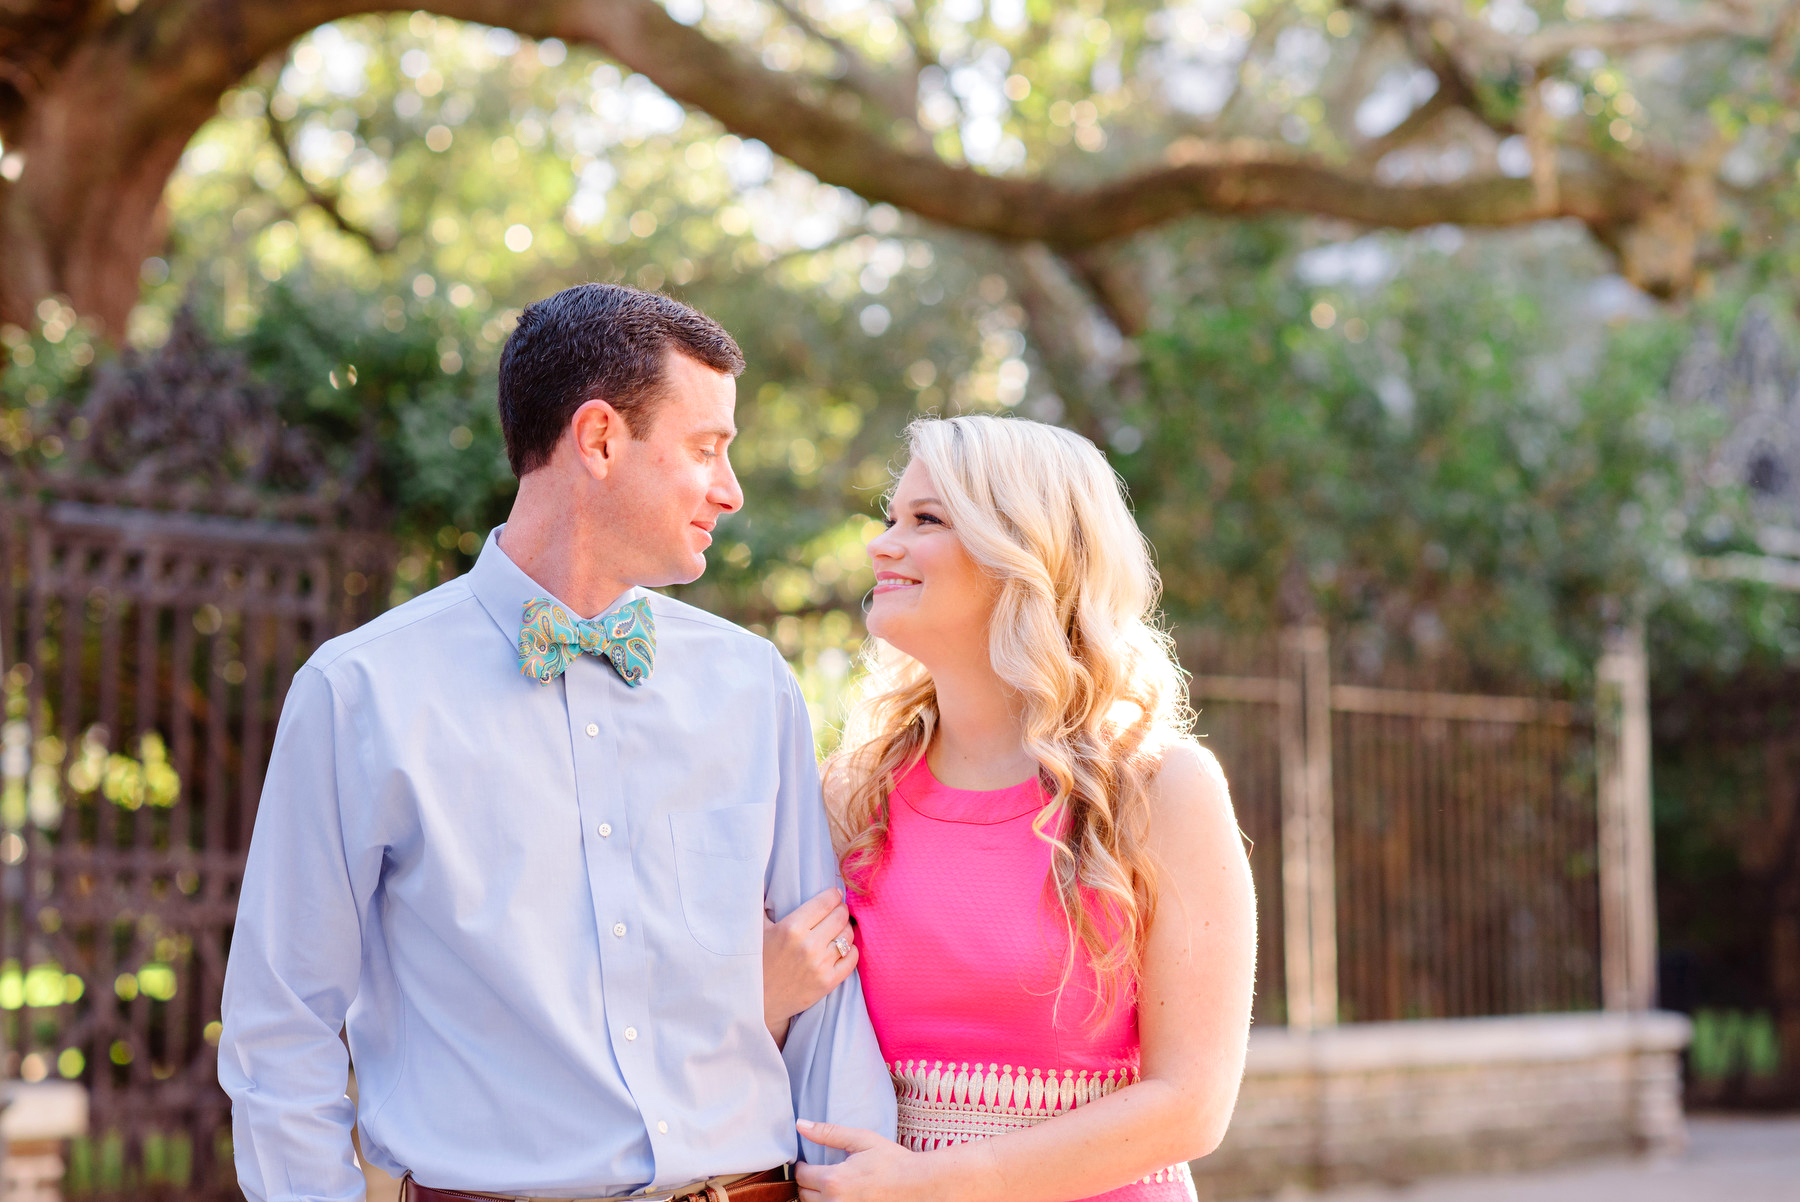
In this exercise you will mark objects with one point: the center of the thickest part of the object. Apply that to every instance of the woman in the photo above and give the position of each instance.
(1053, 907)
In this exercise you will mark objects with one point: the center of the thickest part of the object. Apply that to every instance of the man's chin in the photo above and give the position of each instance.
(684, 571)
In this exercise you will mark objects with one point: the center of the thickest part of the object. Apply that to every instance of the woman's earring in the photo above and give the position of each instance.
(868, 600)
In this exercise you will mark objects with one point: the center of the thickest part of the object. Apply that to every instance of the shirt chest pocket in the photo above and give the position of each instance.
(720, 856)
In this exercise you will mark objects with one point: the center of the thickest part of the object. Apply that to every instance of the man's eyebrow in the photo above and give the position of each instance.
(717, 432)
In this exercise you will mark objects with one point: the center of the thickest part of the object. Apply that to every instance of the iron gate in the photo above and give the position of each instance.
(146, 656)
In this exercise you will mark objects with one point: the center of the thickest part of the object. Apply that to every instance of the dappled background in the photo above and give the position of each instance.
(1456, 445)
(1467, 451)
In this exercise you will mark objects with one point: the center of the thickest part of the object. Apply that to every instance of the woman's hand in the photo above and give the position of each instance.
(801, 961)
(879, 1170)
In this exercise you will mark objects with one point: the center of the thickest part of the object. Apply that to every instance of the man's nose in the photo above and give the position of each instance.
(726, 492)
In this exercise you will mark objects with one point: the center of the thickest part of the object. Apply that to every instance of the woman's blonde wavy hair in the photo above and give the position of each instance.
(1073, 632)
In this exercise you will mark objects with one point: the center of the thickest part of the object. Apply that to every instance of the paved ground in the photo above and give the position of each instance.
(1727, 1160)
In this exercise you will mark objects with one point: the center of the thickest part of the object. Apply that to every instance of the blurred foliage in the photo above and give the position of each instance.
(1484, 477)
(1454, 448)
(1729, 1042)
(429, 178)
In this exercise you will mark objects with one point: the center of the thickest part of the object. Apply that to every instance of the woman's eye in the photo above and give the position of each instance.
(929, 517)
(887, 523)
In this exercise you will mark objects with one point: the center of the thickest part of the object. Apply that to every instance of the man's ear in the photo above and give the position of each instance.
(595, 432)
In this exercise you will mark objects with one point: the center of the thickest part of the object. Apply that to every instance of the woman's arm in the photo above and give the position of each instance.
(1193, 1020)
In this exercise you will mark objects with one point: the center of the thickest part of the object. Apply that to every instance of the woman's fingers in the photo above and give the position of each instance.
(814, 909)
(832, 1135)
(826, 945)
(830, 970)
(834, 969)
(843, 968)
(833, 923)
(824, 931)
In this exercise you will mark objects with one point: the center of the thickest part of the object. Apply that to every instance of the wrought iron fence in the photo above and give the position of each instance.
(1466, 857)
(1417, 853)
(146, 658)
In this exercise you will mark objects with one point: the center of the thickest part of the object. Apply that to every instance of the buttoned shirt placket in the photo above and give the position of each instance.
(590, 686)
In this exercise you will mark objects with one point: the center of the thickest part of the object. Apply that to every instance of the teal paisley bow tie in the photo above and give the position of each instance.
(550, 638)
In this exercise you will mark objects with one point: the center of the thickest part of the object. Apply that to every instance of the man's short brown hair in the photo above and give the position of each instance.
(597, 342)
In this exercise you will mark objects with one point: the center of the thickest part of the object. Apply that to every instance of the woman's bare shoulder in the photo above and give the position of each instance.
(1189, 787)
(1188, 767)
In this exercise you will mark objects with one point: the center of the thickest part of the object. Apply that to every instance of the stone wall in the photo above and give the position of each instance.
(38, 1121)
(1395, 1101)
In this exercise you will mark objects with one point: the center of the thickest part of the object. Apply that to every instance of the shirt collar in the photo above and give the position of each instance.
(503, 588)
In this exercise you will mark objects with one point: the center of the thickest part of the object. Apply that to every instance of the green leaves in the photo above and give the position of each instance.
(1437, 443)
(1428, 464)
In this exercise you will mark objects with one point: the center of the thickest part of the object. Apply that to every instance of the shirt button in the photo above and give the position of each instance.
(619, 929)
(592, 730)
(605, 829)
(663, 1128)
(630, 1032)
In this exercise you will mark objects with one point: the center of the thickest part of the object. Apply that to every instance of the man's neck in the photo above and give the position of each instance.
(552, 544)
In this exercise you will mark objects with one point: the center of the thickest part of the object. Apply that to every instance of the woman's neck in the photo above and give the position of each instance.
(980, 739)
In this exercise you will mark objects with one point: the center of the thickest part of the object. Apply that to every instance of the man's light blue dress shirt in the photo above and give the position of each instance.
(536, 909)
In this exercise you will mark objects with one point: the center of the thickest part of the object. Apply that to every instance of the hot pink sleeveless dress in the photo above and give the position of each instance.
(962, 953)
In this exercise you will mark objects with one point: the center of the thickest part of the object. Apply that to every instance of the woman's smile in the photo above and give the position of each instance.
(889, 582)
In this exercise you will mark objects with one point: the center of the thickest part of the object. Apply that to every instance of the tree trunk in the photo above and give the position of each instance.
(87, 210)
(101, 135)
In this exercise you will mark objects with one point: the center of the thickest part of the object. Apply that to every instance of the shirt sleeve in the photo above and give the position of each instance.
(296, 955)
(834, 1064)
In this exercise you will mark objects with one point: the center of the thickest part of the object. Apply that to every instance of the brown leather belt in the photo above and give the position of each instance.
(770, 1186)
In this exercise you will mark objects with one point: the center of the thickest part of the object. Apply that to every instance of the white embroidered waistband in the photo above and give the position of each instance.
(942, 1104)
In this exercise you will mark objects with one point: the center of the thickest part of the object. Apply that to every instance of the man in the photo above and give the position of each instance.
(519, 834)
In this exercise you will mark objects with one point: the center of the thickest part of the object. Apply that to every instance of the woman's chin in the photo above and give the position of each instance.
(892, 628)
